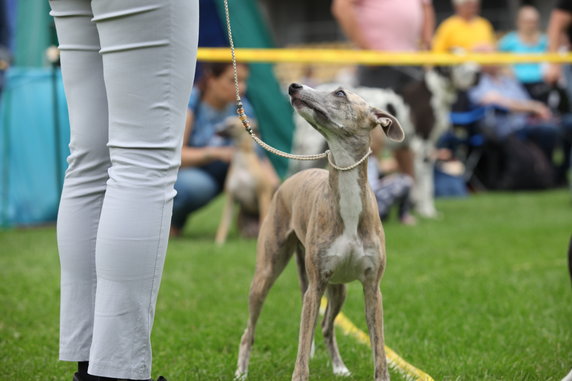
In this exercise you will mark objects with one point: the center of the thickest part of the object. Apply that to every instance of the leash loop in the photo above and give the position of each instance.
(369, 152)
(246, 123)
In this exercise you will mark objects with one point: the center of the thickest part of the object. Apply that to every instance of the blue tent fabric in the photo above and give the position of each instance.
(34, 125)
(34, 146)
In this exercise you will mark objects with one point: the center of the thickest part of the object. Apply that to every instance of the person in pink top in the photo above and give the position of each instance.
(387, 25)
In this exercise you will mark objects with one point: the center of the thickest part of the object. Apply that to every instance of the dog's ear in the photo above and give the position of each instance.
(389, 124)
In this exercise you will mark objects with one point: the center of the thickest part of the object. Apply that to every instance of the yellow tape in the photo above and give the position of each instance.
(394, 361)
(366, 57)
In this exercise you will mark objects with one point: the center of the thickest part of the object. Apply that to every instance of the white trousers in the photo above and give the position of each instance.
(127, 67)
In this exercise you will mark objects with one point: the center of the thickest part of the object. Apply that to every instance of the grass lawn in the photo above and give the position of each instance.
(482, 294)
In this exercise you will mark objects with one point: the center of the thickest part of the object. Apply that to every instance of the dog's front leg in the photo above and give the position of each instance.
(310, 309)
(374, 317)
(225, 220)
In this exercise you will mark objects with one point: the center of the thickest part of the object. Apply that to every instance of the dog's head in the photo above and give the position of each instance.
(460, 77)
(233, 129)
(341, 113)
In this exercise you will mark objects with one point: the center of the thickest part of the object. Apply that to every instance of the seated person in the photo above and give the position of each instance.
(465, 30)
(526, 118)
(390, 190)
(205, 156)
(528, 39)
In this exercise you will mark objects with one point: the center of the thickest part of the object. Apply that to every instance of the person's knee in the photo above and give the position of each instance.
(194, 188)
(407, 182)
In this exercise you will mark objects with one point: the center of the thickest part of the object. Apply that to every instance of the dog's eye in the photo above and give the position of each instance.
(340, 93)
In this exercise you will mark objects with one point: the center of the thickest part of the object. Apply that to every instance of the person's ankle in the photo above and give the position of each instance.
(175, 232)
(82, 374)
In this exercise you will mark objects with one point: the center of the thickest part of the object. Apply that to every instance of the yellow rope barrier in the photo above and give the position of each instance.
(367, 57)
(393, 359)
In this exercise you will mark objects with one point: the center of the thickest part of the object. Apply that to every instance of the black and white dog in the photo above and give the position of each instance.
(423, 108)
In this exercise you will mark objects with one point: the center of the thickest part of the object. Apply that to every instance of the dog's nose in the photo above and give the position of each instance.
(294, 87)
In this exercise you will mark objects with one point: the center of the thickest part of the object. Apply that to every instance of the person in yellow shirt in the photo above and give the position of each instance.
(464, 30)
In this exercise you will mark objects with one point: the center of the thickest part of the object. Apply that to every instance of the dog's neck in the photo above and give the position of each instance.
(349, 188)
(244, 143)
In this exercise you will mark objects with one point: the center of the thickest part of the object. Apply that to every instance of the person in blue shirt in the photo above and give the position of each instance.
(523, 116)
(527, 39)
(206, 155)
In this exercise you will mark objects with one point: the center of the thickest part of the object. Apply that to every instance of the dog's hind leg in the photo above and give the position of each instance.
(336, 296)
(272, 256)
(374, 318)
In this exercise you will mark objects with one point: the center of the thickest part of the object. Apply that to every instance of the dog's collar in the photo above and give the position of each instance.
(369, 152)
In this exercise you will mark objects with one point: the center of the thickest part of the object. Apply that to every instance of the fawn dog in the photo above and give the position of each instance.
(330, 220)
(250, 181)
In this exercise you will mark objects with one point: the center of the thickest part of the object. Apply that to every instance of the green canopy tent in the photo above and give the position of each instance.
(273, 109)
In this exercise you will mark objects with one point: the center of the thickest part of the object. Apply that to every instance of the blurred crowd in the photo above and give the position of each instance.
(525, 100)
(512, 130)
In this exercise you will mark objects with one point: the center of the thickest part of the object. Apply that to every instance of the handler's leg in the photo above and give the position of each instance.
(149, 51)
(84, 184)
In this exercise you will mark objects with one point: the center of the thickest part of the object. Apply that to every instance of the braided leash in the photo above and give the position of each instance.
(246, 123)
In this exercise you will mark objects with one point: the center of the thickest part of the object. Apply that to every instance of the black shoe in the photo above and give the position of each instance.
(78, 377)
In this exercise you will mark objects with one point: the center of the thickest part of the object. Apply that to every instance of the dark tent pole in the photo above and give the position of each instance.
(57, 125)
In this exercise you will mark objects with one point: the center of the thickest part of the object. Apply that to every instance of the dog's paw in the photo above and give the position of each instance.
(240, 376)
(341, 370)
(430, 213)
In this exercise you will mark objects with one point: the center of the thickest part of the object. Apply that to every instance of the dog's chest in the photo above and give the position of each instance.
(348, 259)
(241, 183)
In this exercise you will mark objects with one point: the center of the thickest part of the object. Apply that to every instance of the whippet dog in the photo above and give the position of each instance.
(329, 218)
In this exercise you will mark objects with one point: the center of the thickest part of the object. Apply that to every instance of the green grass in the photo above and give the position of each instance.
(482, 294)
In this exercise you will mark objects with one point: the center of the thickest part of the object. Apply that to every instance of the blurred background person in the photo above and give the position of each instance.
(206, 154)
(527, 38)
(516, 114)
(559, 37)
(387, 25)
(465, 30)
